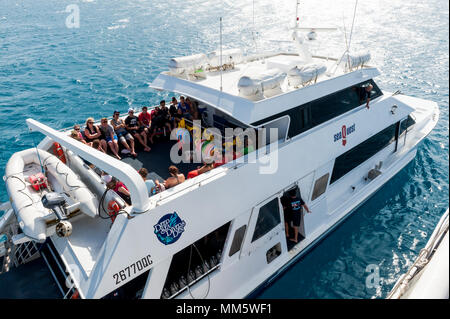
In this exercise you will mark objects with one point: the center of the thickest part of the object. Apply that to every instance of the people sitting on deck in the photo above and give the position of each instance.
(119, 127)
(133, 127)
(110, 136)
(145, 120)
(173, 110)
(175, 178)
(165, 115)
(193, 109)
(77, 129)
(97, 145)
(200, 170)
(184, 109)
(74, 135)
(92, 132)
(120, 189)
(151, 186)
(160, 119)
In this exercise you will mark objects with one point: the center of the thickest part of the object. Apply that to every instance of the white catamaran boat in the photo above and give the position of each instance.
(220, 234)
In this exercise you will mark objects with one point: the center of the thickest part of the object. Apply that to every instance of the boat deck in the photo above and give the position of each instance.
(157, 161)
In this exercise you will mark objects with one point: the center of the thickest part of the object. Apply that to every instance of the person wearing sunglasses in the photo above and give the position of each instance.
(92, 132)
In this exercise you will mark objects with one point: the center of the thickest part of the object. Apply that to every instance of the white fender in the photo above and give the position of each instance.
(71, 184)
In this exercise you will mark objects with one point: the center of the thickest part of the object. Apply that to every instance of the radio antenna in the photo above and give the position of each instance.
(353, 22)
(254, 30)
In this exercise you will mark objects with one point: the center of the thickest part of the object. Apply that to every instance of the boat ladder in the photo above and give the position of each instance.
(14, 254)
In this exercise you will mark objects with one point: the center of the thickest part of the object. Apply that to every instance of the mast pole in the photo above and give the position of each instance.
(296, 13)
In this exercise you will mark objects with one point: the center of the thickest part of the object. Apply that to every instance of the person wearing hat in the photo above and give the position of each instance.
(293, 205)
(137, 131)
(119, 127)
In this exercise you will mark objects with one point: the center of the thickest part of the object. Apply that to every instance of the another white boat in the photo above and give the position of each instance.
(222, 234)
(427, 278)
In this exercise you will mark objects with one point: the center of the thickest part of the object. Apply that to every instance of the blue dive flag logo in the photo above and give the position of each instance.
(169, 228)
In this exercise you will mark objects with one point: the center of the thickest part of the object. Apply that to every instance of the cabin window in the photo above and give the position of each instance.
(338, 103)
(306, 116)
(273, 253)
(131, 290)
(268, 218)
(362, 152)
(195, 262)
(405, 124)
(320, 186)
(237, 240)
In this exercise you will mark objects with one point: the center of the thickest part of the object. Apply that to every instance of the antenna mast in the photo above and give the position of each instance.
(254, 30)
(353, 22)
(296, 13)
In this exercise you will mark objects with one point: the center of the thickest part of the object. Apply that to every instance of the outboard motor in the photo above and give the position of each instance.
(56, 202)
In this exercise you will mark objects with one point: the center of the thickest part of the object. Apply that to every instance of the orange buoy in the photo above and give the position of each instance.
(57, 149)
(113, 209)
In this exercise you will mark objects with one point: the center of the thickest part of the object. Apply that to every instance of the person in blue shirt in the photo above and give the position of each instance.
(150, 184)
(184, 109)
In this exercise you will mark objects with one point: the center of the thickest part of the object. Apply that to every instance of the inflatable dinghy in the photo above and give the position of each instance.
(27, 201)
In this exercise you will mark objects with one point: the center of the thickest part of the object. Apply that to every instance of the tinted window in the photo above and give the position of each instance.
(306, 116)
(320, 186)
(404, 125)
(300, 119)
(362, 152)
(338, 103)
(237, 240)
(268, 218)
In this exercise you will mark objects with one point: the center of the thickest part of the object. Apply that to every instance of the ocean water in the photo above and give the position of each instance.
(61, 75)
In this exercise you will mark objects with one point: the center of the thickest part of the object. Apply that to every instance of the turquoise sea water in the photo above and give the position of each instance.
(61, 76)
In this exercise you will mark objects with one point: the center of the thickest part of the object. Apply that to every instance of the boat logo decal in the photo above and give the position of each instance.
(169, 228)
(342, 135)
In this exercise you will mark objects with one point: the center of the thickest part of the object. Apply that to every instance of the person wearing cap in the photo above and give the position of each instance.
(137, 131)
(119, 127)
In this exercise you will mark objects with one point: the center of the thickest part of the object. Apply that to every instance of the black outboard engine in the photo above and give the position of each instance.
(56, 202)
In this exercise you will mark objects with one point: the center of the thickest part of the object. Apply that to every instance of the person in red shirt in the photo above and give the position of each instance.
(205, 168)
(145, 118)
(120, 189)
